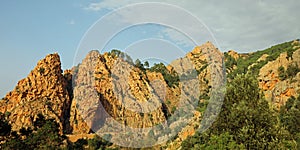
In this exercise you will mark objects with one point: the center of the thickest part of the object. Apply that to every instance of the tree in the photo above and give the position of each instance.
(146, 64)
(79, 144)
(46, 136)
(25, 132)
(14, 143)
(99, 143)
(292, 70)
(5, 127)
(115, 52)
(246, 116)
(222, 141)
(290, 115)
(230, 61)
(281, 73)
(139, 64)
(171, 78)
(290, 52)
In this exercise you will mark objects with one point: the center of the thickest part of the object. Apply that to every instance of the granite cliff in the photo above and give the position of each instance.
(108, 89)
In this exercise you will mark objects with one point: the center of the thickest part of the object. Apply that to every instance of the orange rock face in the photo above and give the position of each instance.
(278, 91)
(104, 88)
(43, 91)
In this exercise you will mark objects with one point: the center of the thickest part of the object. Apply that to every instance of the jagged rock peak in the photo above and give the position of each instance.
(93, 53)
(43, 91)
(203, 47)
(50, 58)
(91, 59)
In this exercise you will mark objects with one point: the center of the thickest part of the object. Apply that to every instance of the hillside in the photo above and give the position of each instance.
(134, 105)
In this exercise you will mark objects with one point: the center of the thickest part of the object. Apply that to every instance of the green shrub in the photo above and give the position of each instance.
(290, 52)
(281, 73)
(230, 61)
(292, 70)
(171, 78)
(245, 122)
(273, 52)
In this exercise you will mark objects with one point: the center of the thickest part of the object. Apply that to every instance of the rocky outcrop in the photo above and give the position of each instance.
(233, 54)
(106, 86)
(276, 90)
(43, 91)
(107, 94)
(207, 60)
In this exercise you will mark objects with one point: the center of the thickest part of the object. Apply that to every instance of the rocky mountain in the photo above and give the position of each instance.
(108, 94)
(44, 91)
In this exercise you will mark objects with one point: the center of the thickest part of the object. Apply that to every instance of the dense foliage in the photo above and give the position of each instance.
(290, 116)
(247, 122)
(44, 135)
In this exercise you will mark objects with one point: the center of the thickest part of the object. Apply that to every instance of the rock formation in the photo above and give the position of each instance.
(277, 91)
(108, 94)
(43, 91)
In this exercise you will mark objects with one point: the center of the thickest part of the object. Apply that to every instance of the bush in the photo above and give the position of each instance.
(292, 70)
(5, 127)
(171, 78)
(139, 64)
(289, 116)
(230, 61)
(45, 136)
(117, 53)
(281, 73)
(290, 52)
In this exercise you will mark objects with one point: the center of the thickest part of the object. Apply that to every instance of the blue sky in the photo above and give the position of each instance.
(29, 30)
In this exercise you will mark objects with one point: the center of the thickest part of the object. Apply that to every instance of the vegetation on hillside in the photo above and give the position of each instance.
(288, 73)
(44, 135)
(247, 122)
(171, 77)
(243, 64)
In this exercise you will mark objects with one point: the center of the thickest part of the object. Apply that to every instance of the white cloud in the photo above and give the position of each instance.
(107, 4)
(240, 25)
(72, 22)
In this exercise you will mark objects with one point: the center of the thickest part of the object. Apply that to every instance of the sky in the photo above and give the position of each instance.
(29, 30)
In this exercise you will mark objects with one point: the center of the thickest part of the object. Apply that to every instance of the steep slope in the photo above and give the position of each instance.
(276, 68)
(109, 94)
(106, 89)
(207, 60)
(94, 88)
(43, 91)
(279, 86)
